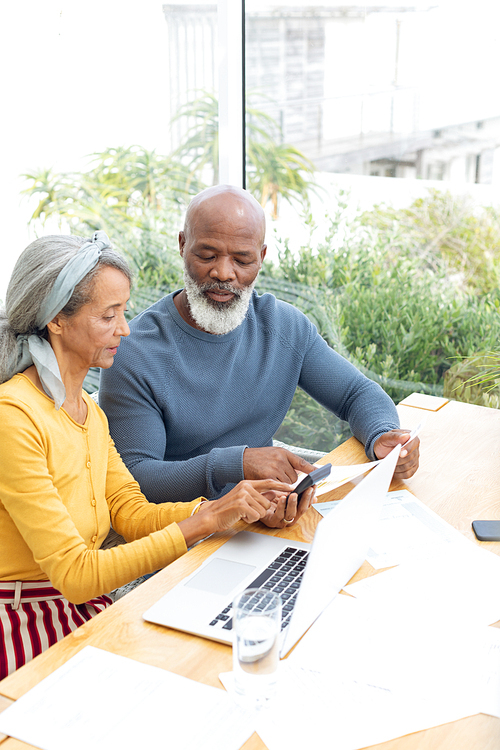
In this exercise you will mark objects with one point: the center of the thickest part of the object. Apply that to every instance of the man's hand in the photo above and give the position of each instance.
(274, 463)
(408, 460)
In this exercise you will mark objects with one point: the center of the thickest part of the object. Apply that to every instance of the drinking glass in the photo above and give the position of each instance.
(256, 625)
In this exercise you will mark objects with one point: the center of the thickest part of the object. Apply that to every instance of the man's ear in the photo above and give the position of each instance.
(263, 252)
(182, 242)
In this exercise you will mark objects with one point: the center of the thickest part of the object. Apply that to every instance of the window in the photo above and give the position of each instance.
(388, 109)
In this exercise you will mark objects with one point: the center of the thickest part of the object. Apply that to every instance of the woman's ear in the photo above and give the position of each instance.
(55, 326)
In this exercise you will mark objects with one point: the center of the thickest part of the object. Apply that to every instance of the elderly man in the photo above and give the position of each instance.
(200, 387)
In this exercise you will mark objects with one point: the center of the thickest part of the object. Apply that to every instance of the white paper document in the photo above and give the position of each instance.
(490, 672)
(461, 585)
(424, 401)
(408, 529)
(347, 715)
(101, 700)
(365, 680)
(340, 475)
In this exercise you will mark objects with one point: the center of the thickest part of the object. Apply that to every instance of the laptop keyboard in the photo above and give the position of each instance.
(283, 576)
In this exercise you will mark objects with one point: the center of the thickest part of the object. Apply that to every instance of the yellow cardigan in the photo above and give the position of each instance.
(60, 485)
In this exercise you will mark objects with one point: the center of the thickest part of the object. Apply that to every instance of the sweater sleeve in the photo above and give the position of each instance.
(140, 434)
(36, 524)
(131, 514)
(340, 387)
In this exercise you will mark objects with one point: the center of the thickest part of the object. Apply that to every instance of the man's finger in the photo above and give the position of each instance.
(300, 464)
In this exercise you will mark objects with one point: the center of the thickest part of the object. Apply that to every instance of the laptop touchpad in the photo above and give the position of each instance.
(220, 576)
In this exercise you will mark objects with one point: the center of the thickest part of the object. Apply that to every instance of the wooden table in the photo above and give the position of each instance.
(459, 478)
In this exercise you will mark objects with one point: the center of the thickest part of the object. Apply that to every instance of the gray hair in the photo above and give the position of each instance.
(32, 279)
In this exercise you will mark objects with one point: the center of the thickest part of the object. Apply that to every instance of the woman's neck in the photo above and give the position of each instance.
(74, 403)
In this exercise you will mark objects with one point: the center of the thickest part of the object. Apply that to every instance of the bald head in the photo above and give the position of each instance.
(226, 206)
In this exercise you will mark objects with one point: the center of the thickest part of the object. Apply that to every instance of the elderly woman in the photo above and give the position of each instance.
(61, 480)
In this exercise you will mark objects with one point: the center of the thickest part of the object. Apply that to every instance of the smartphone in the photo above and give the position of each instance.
(487, 531)
(313, 478)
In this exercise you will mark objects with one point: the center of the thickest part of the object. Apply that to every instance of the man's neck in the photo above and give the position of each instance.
(182, 305)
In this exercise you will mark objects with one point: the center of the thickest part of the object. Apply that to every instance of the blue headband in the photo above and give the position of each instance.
(34, 349)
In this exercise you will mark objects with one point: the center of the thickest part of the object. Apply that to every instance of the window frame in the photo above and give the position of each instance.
(231, 68)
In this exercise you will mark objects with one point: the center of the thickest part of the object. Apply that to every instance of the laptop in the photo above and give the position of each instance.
(307, 576)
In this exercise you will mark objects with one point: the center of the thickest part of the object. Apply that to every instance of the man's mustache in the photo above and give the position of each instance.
(219, 287)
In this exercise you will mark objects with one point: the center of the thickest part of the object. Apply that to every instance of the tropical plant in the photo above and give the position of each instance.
(200, 145)
(309, 425)
(135, 195)
(273, 169)
(124, 182)
(475, 380)
(276, 170)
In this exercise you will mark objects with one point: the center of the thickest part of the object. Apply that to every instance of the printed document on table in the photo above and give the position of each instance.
(364, 679)
(409, 529)
(358, 693)
(347, 715)
(490, 665)
(102, 700)
(460, 585)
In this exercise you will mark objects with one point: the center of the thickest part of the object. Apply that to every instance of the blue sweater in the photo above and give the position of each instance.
(183, 404)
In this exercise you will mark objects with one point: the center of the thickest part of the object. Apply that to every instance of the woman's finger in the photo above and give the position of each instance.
(265, 485)
(290, 508)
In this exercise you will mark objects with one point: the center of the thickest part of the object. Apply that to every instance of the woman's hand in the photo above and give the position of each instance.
(249, 501)
(284, 514)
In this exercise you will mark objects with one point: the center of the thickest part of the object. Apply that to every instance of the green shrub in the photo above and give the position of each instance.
(398, 312)
(449, 227)
(309, 425)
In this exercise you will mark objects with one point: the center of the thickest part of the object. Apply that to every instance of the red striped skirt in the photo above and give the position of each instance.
(34, 616)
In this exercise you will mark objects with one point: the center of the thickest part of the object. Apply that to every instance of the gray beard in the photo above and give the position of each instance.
(216, 317)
